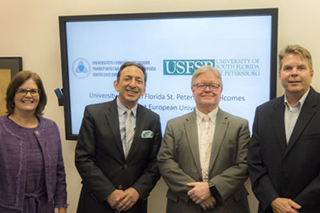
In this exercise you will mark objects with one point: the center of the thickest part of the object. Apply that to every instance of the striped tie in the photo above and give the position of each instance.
(129, 132)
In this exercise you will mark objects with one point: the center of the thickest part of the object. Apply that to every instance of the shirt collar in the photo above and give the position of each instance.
(122, 109)
(300, 102)
(212, 115)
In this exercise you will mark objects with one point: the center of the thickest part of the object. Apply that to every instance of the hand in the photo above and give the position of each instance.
(208, 203)
(115, 198)
(200, 191)
(284, 205)
(62, 210)
(130, 198)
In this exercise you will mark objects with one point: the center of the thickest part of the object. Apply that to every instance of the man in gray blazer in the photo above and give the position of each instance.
(203, 154)
(117, 172)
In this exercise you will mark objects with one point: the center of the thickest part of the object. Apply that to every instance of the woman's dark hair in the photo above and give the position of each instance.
(16, 82)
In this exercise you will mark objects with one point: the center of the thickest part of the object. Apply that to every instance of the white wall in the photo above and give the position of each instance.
(29, 29)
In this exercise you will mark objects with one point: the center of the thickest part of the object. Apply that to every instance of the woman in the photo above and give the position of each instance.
(32, 176)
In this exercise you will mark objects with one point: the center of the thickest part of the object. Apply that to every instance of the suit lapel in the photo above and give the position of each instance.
(277, 119)
(113, 121)
(305, 116)
(191, 130)
(219, 134)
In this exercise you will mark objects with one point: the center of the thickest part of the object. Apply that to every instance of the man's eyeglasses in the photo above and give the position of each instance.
(212, 87)
(33, 92)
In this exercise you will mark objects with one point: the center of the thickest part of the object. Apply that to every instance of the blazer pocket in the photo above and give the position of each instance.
(176, 196)
(314, 136)
(147, 134)
(241, 194)
(172, 196)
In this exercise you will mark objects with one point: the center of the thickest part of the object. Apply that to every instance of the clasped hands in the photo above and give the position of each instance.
(123, 200)
(200, 194)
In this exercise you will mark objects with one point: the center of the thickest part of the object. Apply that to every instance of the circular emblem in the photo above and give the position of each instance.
(81, 68)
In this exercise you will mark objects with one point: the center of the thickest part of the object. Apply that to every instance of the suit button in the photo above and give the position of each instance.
(125, 166)
(120, 187)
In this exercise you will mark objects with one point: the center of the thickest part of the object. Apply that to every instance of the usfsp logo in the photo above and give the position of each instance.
(185, 67)
(81, 68)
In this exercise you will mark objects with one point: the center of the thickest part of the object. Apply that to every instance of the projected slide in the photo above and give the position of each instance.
(171, 50)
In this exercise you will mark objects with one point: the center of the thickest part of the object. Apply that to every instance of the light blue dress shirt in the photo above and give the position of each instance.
(291, 114)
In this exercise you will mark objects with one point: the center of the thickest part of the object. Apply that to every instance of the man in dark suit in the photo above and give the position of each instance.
(118, 167)
(203, 155)
(284, 150)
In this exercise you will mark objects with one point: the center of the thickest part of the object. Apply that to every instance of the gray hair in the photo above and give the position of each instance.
(204, 69)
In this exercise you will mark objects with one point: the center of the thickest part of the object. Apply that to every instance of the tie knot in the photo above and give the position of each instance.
(206, 118)
(128, 112)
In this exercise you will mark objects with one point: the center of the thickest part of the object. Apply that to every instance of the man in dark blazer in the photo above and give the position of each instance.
(118, 177)
(284, 151)
(205, 171)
